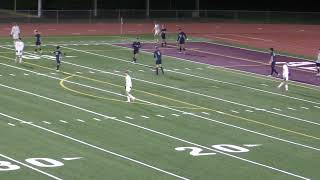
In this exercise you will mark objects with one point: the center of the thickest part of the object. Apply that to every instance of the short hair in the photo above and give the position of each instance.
(58, 47)
(271, 49)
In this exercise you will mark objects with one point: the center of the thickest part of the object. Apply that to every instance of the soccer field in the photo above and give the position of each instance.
(196, 121)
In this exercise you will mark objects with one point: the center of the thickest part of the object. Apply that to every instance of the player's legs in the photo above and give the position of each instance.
(58, 64)
(318, 69)
(129, 96)
(157, 69)
(161, 69)
(134, 59)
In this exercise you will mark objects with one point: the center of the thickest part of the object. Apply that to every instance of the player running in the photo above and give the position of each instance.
(273, 62)
(157, 57)
(136, 45)
(285, 76)
(58, 55)
(318, 64)
(15, 32)
(128, 87)
(38, 41)
(181, 40)
(163, 36)
(156, 31)
(19, 46)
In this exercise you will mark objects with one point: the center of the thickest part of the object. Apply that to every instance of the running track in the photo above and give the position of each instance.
(239, 59)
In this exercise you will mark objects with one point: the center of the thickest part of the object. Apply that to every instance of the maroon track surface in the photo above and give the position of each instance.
(240, 59)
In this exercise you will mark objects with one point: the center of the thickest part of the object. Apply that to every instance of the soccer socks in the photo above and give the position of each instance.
(318, 70)
(58, 66)
(162, 70)
(180, 49)
(286, 87)
(134, 59)
(157, 71)
(281, 84)
(130, 97)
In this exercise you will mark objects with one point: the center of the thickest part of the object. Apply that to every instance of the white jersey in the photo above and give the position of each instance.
(157, 29)
(15, 32)
(285, 72)
(19, 46)
(318, 60)
(128, 83)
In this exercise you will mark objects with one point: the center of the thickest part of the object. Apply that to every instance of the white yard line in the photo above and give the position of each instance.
(97, 119)
(63, 121)
(80, 120)
(46, 122)
(160, 116)
(11, 124)
(128, 117)
(216, 121)
(141, 127)
(93, 146)
(30, 167)
(200, 94)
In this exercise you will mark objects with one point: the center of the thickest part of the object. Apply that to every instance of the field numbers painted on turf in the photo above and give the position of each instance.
(44, 162)
(7, 166)
(229, 148)
(39, 162)
(195, 151)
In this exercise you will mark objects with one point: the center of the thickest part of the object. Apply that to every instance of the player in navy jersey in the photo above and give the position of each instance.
(38, 41)
(163, 36)
(58, 55)
(157, 57)
(136, 45)
(182, 37)
(273, 62)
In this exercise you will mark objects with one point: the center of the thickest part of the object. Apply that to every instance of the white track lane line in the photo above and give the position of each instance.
(216, 121)
(30, 167)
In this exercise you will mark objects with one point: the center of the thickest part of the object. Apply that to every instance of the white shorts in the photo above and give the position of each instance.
(128, 89)
(15, 36)
(19, 53)
(285, 77)
(156, 33)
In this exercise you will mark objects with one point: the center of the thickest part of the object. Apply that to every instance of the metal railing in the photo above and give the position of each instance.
(87, 16)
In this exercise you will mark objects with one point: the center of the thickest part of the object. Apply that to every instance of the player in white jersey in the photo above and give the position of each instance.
(156, 30)
(15, 32)
(285, 76)
(19, 46)
(128, 87)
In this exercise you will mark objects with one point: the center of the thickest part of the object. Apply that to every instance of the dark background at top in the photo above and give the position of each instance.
(271, 5)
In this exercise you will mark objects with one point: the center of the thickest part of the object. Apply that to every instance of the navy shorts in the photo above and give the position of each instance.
(318, 64)
(159, 61)
(163, 36)
(38, 43)
(182, 42)
(135, 51)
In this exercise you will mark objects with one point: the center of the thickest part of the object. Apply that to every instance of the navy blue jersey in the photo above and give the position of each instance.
(163, 32)
(136, 45)
(182, 36)
(38, 37)
(273, 58)
(157, 55)
(58, 55)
